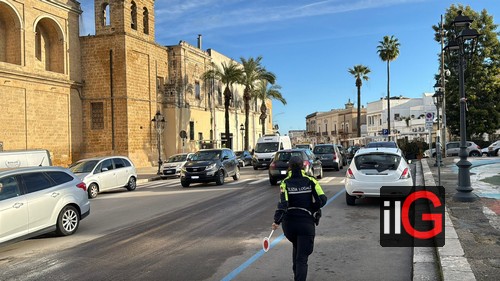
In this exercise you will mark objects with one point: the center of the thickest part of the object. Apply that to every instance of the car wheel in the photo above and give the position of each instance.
(350, 200)
(320, 176)
(337, 168)
(273, 181)
(474, 154)
(132, 184)
(92, 190)
(67, 221)
(237, 175)
(255, 167)
(185, 183)
(433, 155)
(220, 177)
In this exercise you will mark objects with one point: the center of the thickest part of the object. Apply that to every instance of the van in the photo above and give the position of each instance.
(266, 147)
(24, 158)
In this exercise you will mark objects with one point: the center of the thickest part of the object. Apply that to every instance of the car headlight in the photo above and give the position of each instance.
(211, 166)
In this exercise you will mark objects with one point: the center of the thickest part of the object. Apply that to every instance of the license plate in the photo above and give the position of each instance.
(195, 177)
(264, 164)
(169, 172)
(283, 172)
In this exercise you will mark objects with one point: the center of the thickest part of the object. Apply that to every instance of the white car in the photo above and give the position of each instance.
(372, 168)
(39, 200)
(105, 173)
(172, 167)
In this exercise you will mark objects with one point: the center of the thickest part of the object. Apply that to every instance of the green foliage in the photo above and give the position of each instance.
(414, 149)
(482, 76)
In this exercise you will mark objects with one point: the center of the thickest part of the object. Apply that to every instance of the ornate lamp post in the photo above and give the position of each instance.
(438, 101)
(465, 39)
(242, 130)
(159, 122)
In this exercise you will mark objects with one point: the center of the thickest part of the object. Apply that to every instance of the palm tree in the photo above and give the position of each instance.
(263, 92)
(229, 74)
(360, 72)
(253, 72)
(388, 50)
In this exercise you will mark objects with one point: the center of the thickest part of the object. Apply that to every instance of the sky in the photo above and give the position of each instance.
(310, 45)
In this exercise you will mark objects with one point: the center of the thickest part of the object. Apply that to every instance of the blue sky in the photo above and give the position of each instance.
(310, 45)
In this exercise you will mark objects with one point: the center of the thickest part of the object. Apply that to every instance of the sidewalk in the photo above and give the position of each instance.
(146, 174)
(472, 247)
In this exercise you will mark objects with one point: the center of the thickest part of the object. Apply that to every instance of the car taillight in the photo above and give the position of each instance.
(334, 156)
(349, 174)
(82, 185)
(406, 174)
(306, 163)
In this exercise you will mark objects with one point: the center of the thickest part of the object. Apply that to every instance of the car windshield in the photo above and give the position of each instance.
(264, 147)
(206, 155)
(285, 156)
(177, 158)
(382, 144)
(83, 166)
(377, 161)
(323, 149)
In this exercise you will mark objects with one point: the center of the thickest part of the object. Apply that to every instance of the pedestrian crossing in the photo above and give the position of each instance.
(247, 181)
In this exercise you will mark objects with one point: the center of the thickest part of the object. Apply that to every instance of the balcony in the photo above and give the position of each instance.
(324, 133)
(333, 132)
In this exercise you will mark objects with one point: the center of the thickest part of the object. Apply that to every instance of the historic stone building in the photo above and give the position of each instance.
(96, 95)
(40, 77)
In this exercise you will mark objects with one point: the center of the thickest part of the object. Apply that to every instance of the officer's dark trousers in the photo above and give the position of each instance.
(301, 234)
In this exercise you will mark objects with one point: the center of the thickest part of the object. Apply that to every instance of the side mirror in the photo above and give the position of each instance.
(104, 169)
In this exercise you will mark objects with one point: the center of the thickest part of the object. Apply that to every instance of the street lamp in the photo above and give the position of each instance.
(438, 101)
(242, 130)
(159, 122)
(465, 40)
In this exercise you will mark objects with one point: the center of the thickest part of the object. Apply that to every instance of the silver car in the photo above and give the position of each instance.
(105, 173)
(172, 167)
(38, 200)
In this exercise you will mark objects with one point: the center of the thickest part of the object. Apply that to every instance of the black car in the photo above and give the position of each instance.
(244, 158)
(210, 165)
(343, 152)
(278, 169)
(351, 150)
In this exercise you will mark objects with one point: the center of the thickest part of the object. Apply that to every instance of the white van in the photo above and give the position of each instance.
(24, 158)
(266, 147)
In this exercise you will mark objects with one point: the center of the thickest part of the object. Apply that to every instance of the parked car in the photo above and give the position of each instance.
(39, 200)
(453, 148)
(304, 146)
(105, 173)
(484, 151)
(329, 155)
(351, 151)
(372, 144)
(210, 165)
(172, 166)
(278, 168)
(372, 168)
(494, 149)
(244, 158)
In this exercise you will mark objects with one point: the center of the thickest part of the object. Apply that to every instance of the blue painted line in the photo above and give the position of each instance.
(259, 254)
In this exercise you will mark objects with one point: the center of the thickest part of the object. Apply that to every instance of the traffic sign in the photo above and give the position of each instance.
(429, 117)
(385, 131)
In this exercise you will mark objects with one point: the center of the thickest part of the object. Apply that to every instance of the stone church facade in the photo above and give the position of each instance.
(96, 95)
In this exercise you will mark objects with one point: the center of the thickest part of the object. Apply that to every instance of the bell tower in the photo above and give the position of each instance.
(132, 17)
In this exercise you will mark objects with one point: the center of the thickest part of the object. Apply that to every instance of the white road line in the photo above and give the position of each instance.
(238, 181)
(326, 179)
(259, 181)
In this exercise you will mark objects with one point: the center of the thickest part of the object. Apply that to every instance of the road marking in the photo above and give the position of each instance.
(326, 179)
(238, 181)
(259, 181)
(260, 253)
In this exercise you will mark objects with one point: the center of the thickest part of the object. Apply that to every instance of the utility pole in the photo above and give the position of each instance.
(443, 85)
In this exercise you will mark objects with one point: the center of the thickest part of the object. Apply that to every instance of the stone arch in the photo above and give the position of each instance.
(133, 15)
(145, 20)
(49, 44)
(10, 34)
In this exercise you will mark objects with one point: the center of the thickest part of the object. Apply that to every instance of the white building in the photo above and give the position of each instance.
(407, 117)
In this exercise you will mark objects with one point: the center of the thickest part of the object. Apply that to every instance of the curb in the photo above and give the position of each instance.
(451, 257)
(154, 178)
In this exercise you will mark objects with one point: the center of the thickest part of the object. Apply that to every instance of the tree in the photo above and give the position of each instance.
(263, 92)
(482, 76)
(229, 74)
(360, 72)
(253, 72)
(388, 50)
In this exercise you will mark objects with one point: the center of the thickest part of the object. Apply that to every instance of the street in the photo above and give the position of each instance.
(162, 231)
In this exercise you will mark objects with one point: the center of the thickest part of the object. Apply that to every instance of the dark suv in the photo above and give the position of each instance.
(279, 166)
(210, 165)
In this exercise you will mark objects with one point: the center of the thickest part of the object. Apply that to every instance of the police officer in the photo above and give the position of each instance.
(301, 198)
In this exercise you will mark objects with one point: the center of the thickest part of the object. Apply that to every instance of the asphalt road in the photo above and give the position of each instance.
(162, 231)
